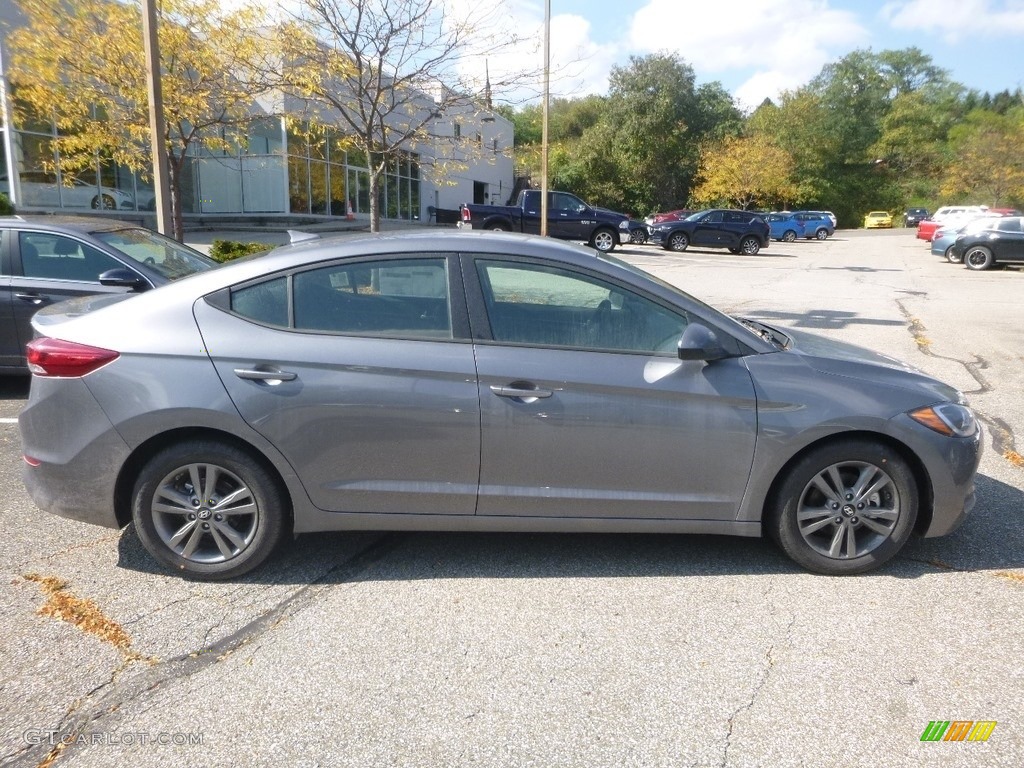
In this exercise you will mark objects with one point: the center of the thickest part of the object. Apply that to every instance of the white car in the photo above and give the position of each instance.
(41, 190)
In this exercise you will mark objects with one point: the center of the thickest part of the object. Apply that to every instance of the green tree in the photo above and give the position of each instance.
(87, 74)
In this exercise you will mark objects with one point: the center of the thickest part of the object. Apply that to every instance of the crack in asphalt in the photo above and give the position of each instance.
(109, 697)
(769, 659)
(1003, 439)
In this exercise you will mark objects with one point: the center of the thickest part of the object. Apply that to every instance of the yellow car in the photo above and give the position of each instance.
(878, 220)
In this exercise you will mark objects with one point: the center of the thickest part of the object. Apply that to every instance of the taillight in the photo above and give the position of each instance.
(465, 213)
(54, 357)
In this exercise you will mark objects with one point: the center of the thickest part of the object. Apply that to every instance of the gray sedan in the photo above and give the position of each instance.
(476, 382)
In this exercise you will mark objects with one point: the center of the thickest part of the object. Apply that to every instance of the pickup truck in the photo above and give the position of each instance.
(569, 218)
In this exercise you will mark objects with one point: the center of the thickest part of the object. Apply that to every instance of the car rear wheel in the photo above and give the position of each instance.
(497, 227)
(788, 236)
(208, 509)
(678, 241)
(821, 234)
(603, 239)
(978, 258)
(951, 257)
(750, 246)
(847, 507)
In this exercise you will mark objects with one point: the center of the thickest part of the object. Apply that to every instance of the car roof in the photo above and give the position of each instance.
(85, 224)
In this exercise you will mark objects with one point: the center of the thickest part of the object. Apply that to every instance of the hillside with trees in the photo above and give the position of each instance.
(883, 130)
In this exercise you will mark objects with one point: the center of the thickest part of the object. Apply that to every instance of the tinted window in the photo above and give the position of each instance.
(265, 303)
(50, 256)
(405, 299)
(715, 217)
(547, 306)
(1009, 225)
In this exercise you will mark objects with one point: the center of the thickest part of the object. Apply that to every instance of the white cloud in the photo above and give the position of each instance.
(786, 42)
(956, 19)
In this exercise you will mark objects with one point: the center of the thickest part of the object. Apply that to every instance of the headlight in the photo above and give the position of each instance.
(624, 224)
(950, 419)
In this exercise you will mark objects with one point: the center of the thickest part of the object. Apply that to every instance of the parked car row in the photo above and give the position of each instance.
(738, 231)
(983, 243)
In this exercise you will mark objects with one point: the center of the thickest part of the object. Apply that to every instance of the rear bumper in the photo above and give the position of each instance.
(76, 475)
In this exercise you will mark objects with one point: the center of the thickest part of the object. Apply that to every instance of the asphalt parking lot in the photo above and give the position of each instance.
(431, 650)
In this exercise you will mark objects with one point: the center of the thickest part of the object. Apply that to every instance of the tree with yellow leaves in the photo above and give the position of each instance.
(87, 74)
(746, 171)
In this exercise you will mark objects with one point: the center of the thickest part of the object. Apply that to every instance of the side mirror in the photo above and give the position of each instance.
(122, 277)
(700, 343)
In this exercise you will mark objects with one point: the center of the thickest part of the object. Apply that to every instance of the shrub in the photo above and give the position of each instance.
(228, 250)
(6, 209)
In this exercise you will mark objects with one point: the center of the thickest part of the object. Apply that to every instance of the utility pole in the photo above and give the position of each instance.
(156, 119)
(544, 122)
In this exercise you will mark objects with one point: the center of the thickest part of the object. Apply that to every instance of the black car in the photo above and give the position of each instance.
(739, 231)
(914, 216)
(47, 259)
(1002, 240)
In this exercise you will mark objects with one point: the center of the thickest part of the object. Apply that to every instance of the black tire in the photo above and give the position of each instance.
(952, 258)
(821, 234)
(750, 246)
(638, 237)
(816, 530)
(978, 257)
(104, 202)
(677, 241)
(604, 239)
(223, 533)
(734, 250)
(497, 227)
(788, 236)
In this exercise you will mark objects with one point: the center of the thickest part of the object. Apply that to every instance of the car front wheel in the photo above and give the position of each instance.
(208, 509)
(978, 258)
(603, 240)
(847, 507)
(679, 241)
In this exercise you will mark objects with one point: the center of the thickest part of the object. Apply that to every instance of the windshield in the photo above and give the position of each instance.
(695, 216)
(161, 254)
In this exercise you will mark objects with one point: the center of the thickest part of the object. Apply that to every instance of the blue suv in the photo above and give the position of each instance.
(816, 225)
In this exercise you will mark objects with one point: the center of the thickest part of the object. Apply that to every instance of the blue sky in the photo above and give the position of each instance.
(757, 48)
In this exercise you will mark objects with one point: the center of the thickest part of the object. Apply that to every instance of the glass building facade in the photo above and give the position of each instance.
(277, 169)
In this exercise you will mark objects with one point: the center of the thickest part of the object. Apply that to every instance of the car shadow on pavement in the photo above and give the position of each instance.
(990, 539)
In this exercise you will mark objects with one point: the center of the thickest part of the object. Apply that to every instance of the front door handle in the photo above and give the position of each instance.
(268, 376)
(524, 393)
(32, 298)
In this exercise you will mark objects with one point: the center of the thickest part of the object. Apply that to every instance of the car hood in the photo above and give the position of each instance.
(843, 359)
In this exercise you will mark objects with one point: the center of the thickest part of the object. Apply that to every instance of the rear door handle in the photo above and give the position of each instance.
(268, 376)
(524, 393)
(33, 298)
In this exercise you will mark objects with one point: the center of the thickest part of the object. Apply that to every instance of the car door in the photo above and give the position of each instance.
(11, 355)
(586, 409)
(708, 229)
(361, 373)
(1008, 240)
(569, 218)
(48, 267)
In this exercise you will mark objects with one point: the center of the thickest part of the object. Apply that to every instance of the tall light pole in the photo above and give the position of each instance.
(156, 119)
(544, 121)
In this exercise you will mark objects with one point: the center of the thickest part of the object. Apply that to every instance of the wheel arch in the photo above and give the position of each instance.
(917, 469)
(148, 449)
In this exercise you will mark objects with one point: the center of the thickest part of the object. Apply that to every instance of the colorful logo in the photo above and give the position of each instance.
(958, 730)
